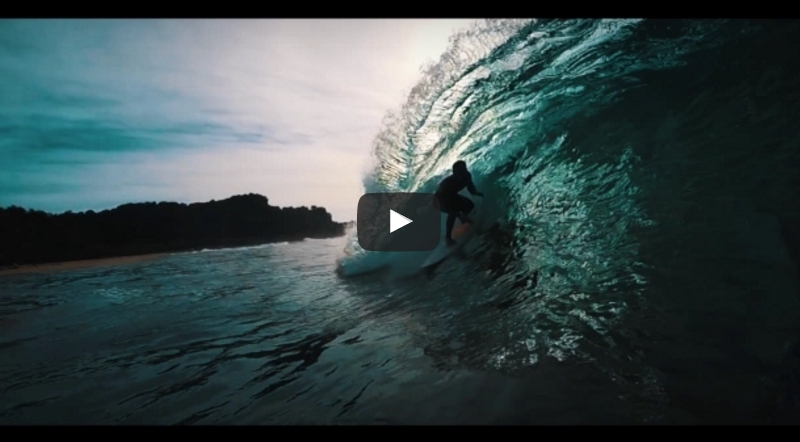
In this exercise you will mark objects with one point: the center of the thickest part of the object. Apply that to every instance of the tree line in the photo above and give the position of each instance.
(35, 237)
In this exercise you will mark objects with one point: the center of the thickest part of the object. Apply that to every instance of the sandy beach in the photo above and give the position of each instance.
(75, 265)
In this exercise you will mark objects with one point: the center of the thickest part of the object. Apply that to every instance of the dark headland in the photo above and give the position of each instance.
(36, 237)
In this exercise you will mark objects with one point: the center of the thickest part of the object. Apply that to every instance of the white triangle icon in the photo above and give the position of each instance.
(397, 221)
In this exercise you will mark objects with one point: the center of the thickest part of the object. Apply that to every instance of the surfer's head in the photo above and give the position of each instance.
(459, 168)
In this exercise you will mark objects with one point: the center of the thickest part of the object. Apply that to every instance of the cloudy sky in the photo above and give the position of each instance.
(98, 113)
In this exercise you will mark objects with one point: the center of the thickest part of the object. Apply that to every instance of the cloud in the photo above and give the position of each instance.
(106, 108)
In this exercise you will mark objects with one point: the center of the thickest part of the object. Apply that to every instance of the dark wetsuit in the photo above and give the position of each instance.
(453, 204)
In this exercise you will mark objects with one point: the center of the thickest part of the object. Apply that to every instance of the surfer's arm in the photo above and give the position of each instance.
(471, 188)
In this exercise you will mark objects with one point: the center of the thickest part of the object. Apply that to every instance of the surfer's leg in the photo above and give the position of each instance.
(465, 206)
(451, 221)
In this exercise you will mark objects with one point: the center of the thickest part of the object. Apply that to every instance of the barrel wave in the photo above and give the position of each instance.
(640, 212)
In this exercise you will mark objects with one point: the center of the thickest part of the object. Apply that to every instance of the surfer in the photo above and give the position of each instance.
(453, 204)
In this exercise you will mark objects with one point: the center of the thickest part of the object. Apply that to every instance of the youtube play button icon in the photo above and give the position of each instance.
(398, 222)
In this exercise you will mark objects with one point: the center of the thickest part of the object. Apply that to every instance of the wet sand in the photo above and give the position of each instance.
(75, 265)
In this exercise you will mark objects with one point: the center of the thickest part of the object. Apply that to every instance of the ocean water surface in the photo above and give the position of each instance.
(259, 335)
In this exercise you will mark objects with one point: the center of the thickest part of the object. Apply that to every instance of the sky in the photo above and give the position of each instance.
(98, 113)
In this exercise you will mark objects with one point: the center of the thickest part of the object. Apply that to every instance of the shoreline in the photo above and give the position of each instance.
(81, 264)
(129, 259)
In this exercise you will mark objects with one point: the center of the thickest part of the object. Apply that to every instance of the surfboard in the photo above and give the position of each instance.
(460, 233)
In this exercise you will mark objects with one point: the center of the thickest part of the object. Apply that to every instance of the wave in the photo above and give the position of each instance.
(504, 97)
(618, 159)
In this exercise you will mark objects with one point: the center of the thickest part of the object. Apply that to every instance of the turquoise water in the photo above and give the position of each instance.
(265, 335)
(639, 261)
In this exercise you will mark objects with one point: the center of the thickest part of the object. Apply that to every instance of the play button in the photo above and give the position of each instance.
(385, 223)
(397, 221)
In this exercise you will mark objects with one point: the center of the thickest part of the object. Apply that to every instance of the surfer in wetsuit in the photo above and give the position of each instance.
(453, 204)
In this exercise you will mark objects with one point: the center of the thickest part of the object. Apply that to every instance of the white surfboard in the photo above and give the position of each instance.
(460, 233)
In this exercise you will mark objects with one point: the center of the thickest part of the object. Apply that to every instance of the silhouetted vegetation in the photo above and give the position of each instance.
(34, 237)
